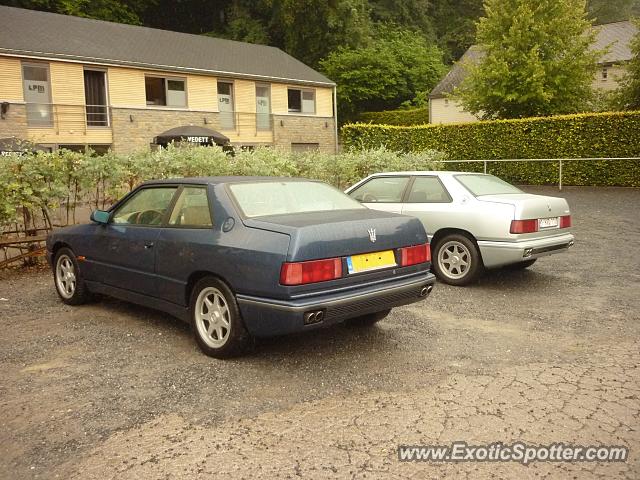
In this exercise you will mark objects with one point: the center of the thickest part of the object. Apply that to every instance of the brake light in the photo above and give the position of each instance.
(524, 226)
(300, 273)
(414, 255)
(565, 221)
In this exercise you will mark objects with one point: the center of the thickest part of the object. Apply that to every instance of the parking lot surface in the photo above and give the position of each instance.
(549, 354)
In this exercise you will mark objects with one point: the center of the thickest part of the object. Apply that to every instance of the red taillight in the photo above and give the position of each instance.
(565, 221)
(310, 272)
(524, 226)
(414, 255)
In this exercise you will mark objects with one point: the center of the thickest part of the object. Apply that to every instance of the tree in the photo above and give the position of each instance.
(393, 68)
(607, 11)
(537, 60)
(412, 14)
(454, 22)
(310, 29)
(110, 10)
(629, 94)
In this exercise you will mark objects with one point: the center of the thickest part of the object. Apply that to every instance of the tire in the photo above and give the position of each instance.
(369, 319)
(216, 320)
(457, 260)
(521, 265)
(68, 280)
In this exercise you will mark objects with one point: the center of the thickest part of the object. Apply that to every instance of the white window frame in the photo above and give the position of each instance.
(302, 91)
(106, 95)
(47, 66)
(166, 80)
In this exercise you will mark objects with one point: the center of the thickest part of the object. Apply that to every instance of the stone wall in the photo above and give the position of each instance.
(290, 129)
(15, 122)
(134, 129)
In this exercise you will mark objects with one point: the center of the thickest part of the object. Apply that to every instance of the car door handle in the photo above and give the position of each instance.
(148, 245)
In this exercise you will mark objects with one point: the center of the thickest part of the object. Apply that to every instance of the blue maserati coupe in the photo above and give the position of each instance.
(239, 257)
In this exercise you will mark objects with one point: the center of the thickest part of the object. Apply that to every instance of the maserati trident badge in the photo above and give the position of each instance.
(372, 235)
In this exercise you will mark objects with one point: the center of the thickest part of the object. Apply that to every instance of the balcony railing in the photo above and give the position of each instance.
(245, 123)
(81, 118)
(67, 117)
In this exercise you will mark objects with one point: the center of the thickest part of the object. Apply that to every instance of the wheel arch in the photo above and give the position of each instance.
(443, 232)
(198, 275)
(57, 246)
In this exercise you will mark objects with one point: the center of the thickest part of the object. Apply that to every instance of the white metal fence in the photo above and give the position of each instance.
(560, 161)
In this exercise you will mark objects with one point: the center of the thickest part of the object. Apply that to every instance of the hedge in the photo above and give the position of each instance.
(39, 184)
(416, 116)
(595, 135)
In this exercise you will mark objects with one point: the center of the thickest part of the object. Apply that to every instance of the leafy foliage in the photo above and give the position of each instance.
(111, 10)
(629, 95)
(47, 181)
(393, 68)
(596, 135)
(454, 22)
(536, 60)
(415, 116)
(607, 11)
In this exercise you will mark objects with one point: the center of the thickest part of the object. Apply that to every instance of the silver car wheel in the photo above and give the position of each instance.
(65, 276)
(213, 319)
(454, 259)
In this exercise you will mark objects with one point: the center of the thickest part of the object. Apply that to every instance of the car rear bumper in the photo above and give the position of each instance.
(267, 317)
(495, 254)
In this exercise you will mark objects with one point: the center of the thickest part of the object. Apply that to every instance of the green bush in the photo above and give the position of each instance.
(40, 183)
(415, 116)
(598, 135)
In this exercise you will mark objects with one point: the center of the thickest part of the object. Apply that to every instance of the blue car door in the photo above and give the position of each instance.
(186, 241)
(126, 247)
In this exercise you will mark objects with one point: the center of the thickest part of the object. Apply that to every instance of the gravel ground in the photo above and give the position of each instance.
(550, 354)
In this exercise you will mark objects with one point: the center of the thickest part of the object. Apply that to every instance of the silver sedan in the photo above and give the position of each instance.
(474, 221)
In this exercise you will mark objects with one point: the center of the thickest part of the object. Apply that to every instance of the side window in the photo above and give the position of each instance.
(428, 190)
(381, 190)
(192, 208)
(147, 207)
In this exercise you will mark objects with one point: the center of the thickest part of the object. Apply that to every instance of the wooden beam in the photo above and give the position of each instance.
(7, 242)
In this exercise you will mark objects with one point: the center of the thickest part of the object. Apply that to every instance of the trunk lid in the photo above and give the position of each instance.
(340, 233)
(531, 206)
(528, 206)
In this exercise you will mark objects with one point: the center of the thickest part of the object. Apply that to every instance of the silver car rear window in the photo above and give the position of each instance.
(282, 197)
(486, 185)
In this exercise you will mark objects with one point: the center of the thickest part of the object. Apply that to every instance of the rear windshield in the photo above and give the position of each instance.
(486, 185)
(283, 197)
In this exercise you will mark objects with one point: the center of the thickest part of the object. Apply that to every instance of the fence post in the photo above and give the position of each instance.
(560, 176)
(485, 167)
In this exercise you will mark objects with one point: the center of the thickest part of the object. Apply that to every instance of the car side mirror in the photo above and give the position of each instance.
(100, 216)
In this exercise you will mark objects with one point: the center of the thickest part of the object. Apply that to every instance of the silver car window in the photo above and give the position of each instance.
(428, 190)
(381, 190)
(481, 184)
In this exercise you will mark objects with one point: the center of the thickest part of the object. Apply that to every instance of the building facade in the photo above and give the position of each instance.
(112, 86)
(612, 38)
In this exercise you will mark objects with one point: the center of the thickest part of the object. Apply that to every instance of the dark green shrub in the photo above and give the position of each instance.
(595, 135)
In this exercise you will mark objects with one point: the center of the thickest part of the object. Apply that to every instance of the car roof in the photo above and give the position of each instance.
(425, 172)
(222, 179)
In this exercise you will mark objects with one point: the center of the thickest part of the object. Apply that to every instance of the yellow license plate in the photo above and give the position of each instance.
(371, 261)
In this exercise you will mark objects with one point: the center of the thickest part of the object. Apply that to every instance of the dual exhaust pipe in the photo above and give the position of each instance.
(426, 290)
(315, 316)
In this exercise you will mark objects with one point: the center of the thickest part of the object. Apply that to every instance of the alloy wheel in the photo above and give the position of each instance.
(454, 259)
(65, 276)
(213, 319)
